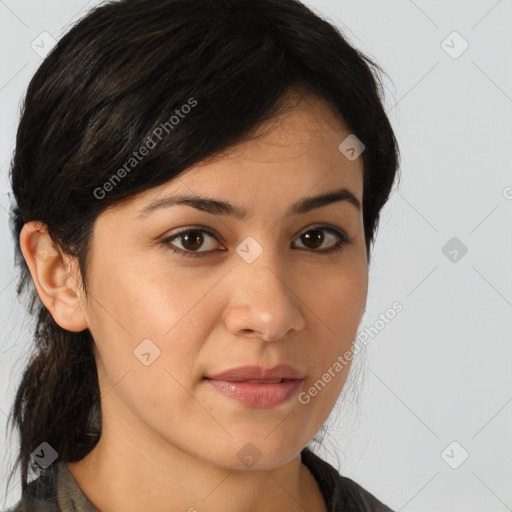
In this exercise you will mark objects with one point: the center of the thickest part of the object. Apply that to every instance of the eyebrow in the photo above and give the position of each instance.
(217, 207)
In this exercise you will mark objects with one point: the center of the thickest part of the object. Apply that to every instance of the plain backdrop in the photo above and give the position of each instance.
(428, 426)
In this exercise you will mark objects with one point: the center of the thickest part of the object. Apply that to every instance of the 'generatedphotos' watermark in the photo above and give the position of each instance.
(158, 133)
(342, 361)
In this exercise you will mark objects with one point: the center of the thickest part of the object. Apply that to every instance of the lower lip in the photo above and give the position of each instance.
(258, 395)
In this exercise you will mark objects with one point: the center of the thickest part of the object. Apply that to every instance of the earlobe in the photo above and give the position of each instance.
(56, 279)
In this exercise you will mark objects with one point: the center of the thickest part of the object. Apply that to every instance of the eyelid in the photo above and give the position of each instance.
(343, 239)
(329, 227)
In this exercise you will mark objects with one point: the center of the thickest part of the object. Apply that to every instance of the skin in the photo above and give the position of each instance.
(169, 443)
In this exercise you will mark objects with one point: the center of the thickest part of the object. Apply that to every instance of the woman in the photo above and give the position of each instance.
(172, 375)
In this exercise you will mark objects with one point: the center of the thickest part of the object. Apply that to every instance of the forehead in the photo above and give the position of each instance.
(307, 122)
(293, 155)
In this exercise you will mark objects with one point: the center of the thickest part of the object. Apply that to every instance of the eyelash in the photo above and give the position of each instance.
(343, 240)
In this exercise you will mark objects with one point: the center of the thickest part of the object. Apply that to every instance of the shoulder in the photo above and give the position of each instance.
(40, 494)
(341, 493)
(358, 498)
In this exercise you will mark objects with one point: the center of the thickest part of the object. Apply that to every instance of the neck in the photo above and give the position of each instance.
(131, 473)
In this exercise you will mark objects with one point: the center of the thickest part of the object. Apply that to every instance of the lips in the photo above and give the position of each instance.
(256, 387)
(259, 374)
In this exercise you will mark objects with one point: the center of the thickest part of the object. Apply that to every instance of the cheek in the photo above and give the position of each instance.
(337, 311)
(130, 308)
(146, 297)
(148, 375)
(337, 302)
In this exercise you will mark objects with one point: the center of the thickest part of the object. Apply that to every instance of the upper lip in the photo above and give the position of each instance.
(282, 371)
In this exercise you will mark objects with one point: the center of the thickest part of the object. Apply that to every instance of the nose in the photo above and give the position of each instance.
(263, 304)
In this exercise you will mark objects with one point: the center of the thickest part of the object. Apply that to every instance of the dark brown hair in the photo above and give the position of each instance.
(119, 74)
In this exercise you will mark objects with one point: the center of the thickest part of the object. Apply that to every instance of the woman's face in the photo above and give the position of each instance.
(255, 291)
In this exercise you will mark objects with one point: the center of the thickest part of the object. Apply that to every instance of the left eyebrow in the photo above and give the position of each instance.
(217, 207)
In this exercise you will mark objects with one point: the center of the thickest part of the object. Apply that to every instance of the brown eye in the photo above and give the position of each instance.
(313, 238)
(192, 240)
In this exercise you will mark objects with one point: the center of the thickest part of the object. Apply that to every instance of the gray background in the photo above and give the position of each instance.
(439, 372)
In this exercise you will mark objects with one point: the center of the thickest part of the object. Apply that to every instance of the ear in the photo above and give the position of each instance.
(56, 277)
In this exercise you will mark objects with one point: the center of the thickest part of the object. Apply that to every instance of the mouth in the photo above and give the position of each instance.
(256, 381)
(259, 374)
(273, 381)
(257, 393)
(261, 381)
